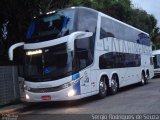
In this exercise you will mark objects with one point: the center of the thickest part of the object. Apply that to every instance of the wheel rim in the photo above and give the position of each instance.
(114, 85)
(103, 86)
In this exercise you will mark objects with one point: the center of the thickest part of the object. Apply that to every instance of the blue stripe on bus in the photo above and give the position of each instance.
(77, 85)
(77, 88)
(75, 76)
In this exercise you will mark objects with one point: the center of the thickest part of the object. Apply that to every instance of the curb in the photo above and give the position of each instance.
(10, 109)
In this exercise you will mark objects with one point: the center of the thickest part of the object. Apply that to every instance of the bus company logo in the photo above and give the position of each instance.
(47, 70)
(86, 77)
(43, 90)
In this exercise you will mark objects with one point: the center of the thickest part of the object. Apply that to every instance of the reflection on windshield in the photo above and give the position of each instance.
(51, 26)
(53, 63)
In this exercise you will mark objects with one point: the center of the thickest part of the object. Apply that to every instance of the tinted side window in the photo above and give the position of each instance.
(125, 32)
(112, 28)
(107, 29)
(119, 60)
(87, 20)
(83, 56)
(119, 30)
(84, 48)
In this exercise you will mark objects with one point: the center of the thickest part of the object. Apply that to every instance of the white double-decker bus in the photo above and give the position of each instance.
(78, 52)
(156, 62)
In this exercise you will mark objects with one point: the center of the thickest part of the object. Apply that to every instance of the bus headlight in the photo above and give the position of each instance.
(34, 52)
(71, 93)
(27, 96)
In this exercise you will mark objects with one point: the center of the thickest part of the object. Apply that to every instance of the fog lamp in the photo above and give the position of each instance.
(71, 93)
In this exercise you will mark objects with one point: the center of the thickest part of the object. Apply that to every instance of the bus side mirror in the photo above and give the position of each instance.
(11, 49)
(77, 35)
(84, 35)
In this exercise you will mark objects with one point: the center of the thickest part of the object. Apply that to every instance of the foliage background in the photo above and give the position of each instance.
(20, 12)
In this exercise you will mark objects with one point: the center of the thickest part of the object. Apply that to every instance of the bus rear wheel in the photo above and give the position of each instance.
(114, 85)
(143, 79)
(147, 78)
(102, 88)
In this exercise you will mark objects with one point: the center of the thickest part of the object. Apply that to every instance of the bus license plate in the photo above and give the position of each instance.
(46, 97)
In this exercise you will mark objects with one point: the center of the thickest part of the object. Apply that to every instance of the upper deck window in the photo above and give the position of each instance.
(112, 28)
(51, 26)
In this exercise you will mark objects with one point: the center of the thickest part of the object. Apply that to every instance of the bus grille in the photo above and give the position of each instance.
(45, 90)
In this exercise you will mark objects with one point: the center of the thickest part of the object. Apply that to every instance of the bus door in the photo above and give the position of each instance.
(85, 81)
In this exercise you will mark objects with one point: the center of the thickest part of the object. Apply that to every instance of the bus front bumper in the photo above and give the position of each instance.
(62, 95)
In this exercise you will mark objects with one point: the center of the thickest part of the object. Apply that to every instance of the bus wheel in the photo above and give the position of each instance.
(114, 85)
(147, 78)
(143, 79)
(102, 88)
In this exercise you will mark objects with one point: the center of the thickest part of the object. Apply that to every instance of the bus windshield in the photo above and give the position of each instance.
(156, 60)
(51, 26)
(48, 64)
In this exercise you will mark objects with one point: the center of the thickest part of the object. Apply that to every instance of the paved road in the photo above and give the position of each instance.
(134, 99)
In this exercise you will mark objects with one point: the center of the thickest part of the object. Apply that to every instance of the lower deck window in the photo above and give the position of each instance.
(119, 60)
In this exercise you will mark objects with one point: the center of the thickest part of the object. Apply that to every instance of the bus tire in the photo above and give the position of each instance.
(114, 85)
(102, 88)
(143, 79)
(147, 77)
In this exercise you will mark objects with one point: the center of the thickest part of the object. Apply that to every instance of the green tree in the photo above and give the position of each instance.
(20, 13)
